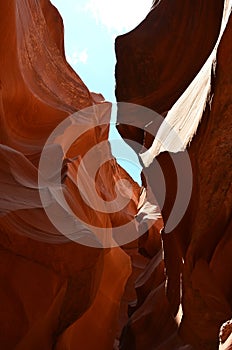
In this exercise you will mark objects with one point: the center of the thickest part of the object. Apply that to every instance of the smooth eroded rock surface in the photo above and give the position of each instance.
(164, 54)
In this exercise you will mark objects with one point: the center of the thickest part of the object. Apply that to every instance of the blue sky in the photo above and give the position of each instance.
(91, 27)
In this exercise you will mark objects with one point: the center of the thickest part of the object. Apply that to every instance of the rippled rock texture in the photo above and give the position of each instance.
(55, 293)
(70, 289)
(178, 62)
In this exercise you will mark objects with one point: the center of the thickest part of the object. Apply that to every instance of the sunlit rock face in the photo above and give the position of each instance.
(178, 62)
(56, 293)
(226, 336)
(62, 285)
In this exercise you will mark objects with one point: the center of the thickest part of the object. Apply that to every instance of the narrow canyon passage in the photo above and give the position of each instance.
(87, 260)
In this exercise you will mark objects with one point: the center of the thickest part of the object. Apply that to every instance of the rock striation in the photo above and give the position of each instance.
(54, 289)
(172, 65)
(157, 286)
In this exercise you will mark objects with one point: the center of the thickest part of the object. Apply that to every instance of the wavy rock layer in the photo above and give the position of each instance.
(54, 291)
(166, 291)
(156, 62)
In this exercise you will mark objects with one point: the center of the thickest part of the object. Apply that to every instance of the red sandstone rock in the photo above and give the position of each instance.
(58, 294)
(164, 53)
(53, 290)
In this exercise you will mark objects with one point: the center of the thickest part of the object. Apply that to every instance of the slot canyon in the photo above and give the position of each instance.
(80, 271)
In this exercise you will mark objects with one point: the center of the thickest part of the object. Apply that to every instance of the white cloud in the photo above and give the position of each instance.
(77, 57)
(119, 15)
(83, 56)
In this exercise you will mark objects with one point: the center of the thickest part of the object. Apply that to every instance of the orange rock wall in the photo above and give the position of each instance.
(53, 290)
(164, 53)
